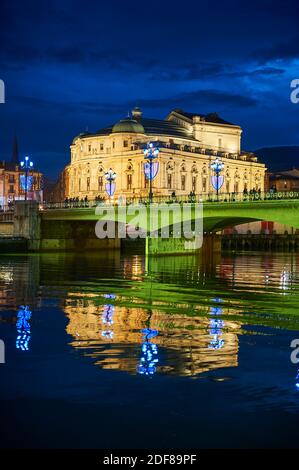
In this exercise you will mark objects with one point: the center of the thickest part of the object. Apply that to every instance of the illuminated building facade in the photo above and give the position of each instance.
(12, 181)
(188, 144)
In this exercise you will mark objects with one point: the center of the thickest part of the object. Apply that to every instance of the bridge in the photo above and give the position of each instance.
(216, 215)
(71, 225)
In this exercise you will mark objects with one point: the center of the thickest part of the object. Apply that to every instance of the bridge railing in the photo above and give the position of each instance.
(6, 214)
(198, 198)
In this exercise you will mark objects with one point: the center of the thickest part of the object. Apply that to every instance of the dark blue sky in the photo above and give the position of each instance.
(69, 65)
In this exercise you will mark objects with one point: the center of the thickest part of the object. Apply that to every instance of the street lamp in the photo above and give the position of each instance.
(151, 153)
(110, 176)
(217, 180)
(27, 165)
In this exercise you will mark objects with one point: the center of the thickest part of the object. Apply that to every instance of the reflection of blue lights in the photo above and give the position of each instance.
(148, 333)
(107, 334)
(297, 381)
(215, 310)
(107, 316)
(216, 326)
(149, 357)
(23, 328)
(216, 343)
(109, 296)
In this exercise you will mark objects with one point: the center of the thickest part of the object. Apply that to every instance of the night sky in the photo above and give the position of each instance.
(69, 66)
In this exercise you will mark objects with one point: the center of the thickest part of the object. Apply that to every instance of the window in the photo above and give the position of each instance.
(89, 148)
(194, 184)
(100, 183)
(236, 187)
(101, 146)
(88, 184)
(129, 182)
(227, 186)
(169, 181)
(11, 188)
(126, 143)
(183, 182)
(11, 179)
(204, 184)
(113, 145)
(220, 143)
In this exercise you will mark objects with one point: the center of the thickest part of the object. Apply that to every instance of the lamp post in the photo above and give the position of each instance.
(151, 153)
(110, 176)
(27, 165)
(217, 166)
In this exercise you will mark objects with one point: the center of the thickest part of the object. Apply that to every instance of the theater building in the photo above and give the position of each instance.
(188, 144)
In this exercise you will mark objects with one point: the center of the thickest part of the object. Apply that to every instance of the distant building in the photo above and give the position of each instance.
(286, 180)
(12, 184)
(188, 143)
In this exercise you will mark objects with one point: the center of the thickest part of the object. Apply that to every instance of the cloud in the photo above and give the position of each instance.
(211, 71)
(193, 98)
(188, 71)
(200, 97)
(81, 54)
(286, 50)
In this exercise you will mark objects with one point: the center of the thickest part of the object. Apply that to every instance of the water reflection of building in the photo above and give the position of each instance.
(278, 272)
(184, 340)
(19, 281)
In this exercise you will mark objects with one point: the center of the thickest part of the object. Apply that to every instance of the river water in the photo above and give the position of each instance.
(117, 351)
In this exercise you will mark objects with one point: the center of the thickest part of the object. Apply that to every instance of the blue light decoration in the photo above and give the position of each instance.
(151, 167)
(107, 317)
(26, 185)
(216, 326)
(297, 380)
(25, 180)
(149, 358)
(217, 180)
(110, 186)
(23, 328)
(150, 175)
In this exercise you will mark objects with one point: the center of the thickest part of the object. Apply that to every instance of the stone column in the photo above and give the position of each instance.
(27, 223)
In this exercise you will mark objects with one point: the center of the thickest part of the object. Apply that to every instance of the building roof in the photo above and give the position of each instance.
(8, 166)
(148, 126)
(292, 174)
(82, 134)
(210, 117)
(152, 127)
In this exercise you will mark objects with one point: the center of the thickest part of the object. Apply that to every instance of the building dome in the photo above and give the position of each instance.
(128, 125)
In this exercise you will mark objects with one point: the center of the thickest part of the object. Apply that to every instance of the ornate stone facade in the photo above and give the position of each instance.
(188, 144)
